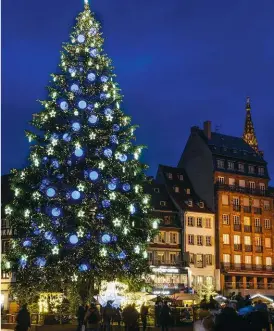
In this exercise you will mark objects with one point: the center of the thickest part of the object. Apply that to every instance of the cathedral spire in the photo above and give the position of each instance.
(249, 135)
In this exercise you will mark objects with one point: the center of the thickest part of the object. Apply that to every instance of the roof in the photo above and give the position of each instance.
(178, 180)
(6, 192)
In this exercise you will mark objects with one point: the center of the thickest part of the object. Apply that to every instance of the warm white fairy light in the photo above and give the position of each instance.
(55, 250)
(27, 213)
(96, 105)
(77, 145)
(16, 192)
(112, 196)
(145, 200)
(22, 175)
(105, 87)
(54, 95)
(8, 210)
(109, 118)
(155, 224)
(117, 155)
(80, 233)
(116, 222)
(81, 187)
(101, 165)
(52, 113)
(36, 195)
(54, 141)
(126, 231)
(81, 213)
(76, 112)
(74, 277)
(137, 249)
(50, 151)
(103, 252)
(145, 254)
(137, 188)
(92, 136)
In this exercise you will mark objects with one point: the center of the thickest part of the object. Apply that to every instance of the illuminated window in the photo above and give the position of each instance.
(199, 222)
(258, 241)
(221, 180)
(237, 239)
(200, 240)
(268, 242)
(225, 199)
(257, 222)
(162, 203)
(226, 239)
(191, 239)
(266, 205)
(208, 259)
(226, 258)
(190, 221)
(247, 240)
(236, 220)
(242, 183)
(268, 261)
(237, 259)
(267, 223)
(208, 223)
(208, 241)
(225, 219)
(169, 175)
(258, 260)
(173, 238)
(190, 203)
(176, 189)
(248, 259)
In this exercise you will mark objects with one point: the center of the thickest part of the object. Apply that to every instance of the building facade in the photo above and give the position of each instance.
(235, 173)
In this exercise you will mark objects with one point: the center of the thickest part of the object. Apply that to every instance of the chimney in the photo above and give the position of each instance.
(207, 129)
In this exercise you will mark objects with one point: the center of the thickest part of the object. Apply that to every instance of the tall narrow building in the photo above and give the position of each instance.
(230, 174)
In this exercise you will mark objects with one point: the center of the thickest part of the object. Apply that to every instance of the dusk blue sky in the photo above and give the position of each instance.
(178, 63)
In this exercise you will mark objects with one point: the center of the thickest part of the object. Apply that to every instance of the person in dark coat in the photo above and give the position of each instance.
(165, 317)
(80, 316)
(23, 319)
(144, 313)
(228, 320)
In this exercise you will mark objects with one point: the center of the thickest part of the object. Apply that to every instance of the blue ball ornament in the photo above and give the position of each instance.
(45, 181)
(56, 211)
(23, 262)
(54, 136)
(78, 152)
(112, 186)
(90, 106)
(81, 38)
(104, 79)
(92, 31)
(126, 187)
(114, 238)
(100, 216)
(76, 195)
(73, 239)
(106, 238)
(106, 203)
(54, 241)
(116, 127)
(123, 157)
(27, 243)
(114, 139)
(74, 88)
(93, 175)
(48, 235)
(40, 262)
(93, 52)
(64, 105)
(69, 163)
(36, 231)
(83, 267)
(76, 126)
(132, 210)
(72, 70)
(108, 152)
(108, 111)
(82, 104)
(91, 77)
(93, 119)
(122, 256)
(55, 164)
(50, 192)
(66, 137)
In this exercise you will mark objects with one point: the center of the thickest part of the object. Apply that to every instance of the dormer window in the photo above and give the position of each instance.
(181, 177)
(261, 171)
(169, 175)
(156, 190)
(251, 169)
(241, 167)
(220, 164)
(201, 204)
(190, 203)
(230, 165)
(176, 189)
(188, 191)
(162, 203)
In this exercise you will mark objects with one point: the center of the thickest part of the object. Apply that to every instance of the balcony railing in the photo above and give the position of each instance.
(247, 209)
(248, 228)
(248, 248)
(258, 249)
(236, 207)
(247, 190)
(237, 227)
(237, 247)
(244, 266)
(257, 210)
(258, 229)
(248, 285)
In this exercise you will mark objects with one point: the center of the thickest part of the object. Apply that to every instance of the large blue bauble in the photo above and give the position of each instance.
(91, 77)
(115, 127)
(51, 192)
(82, 104)
(79, 152)
(64, 105)
(40, 262)
(27, 243)
(56, 211)
(93, 175)
(133, 210)
(76, 126)
(72, 70)
(93, 52)
(36, 231)
(23, 262)
(106, 203)
(108, 152)
(92, 31)
(108, 111)
(104, 79)
(48, 235)
(123, 158)
(81, 38)
(74, 88)
(122, 256)
(93, 119)
(75, 195)
(73, 239)
(126, 187)
(112, 186)
(83, 267)
(66, 137)
(106, 238)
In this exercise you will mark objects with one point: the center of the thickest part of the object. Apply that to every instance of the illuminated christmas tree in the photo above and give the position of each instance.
(79, 209)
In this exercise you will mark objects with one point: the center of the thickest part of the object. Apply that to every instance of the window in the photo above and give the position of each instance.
(201, 204)
(258, 260)
(237, 259)
(5, 246)
(236, 220)
(208, 223)
(209, 280)
(190, 203)
(237, 239)
(230, 165)
(258, 241)
(256, 203)
(221, 180)
(199, 280)
(162, 203)
(257, 222)
(173, 238)
(268, 242)
(226, 258)
(236, 201)
(262, 186)
(190, 221)
(241, 167)
(242, 183)
(200, 240)
(161, 256)
(231, 181)
(208, 259)
(208, 241)
(220, 163)
(169, 175)
(150, 256)
(252, 185)
(188, 191)
(191, 258)
(199, 222)
(268, 261)
(267, 224)
(226, 238)
(199, 260)
(5, 275)
(261, 171)
(266, 205)
(225, 219)
(225, 199)
(176, 189)
(247, 240)
(251, 169)
(161, 237)
(181, 177)
(172, 257)
(5, 224)
(191, 239)
(247, 220)
(156, 190)
(167, 220)
(248, 259)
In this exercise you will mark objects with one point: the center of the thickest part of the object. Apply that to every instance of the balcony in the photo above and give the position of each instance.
(247, 228)
(258, 229)
(245, 266)
(258, 249)
(257, 210)
(235, 188)
(237, 227)
(247, 209)
(258, 267)
(237, 247)
(236, 208)
(248, 248)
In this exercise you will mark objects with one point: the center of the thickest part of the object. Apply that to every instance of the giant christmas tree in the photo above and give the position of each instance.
(79, 209)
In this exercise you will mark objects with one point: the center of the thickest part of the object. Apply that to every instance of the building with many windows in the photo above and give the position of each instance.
(230, 174)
